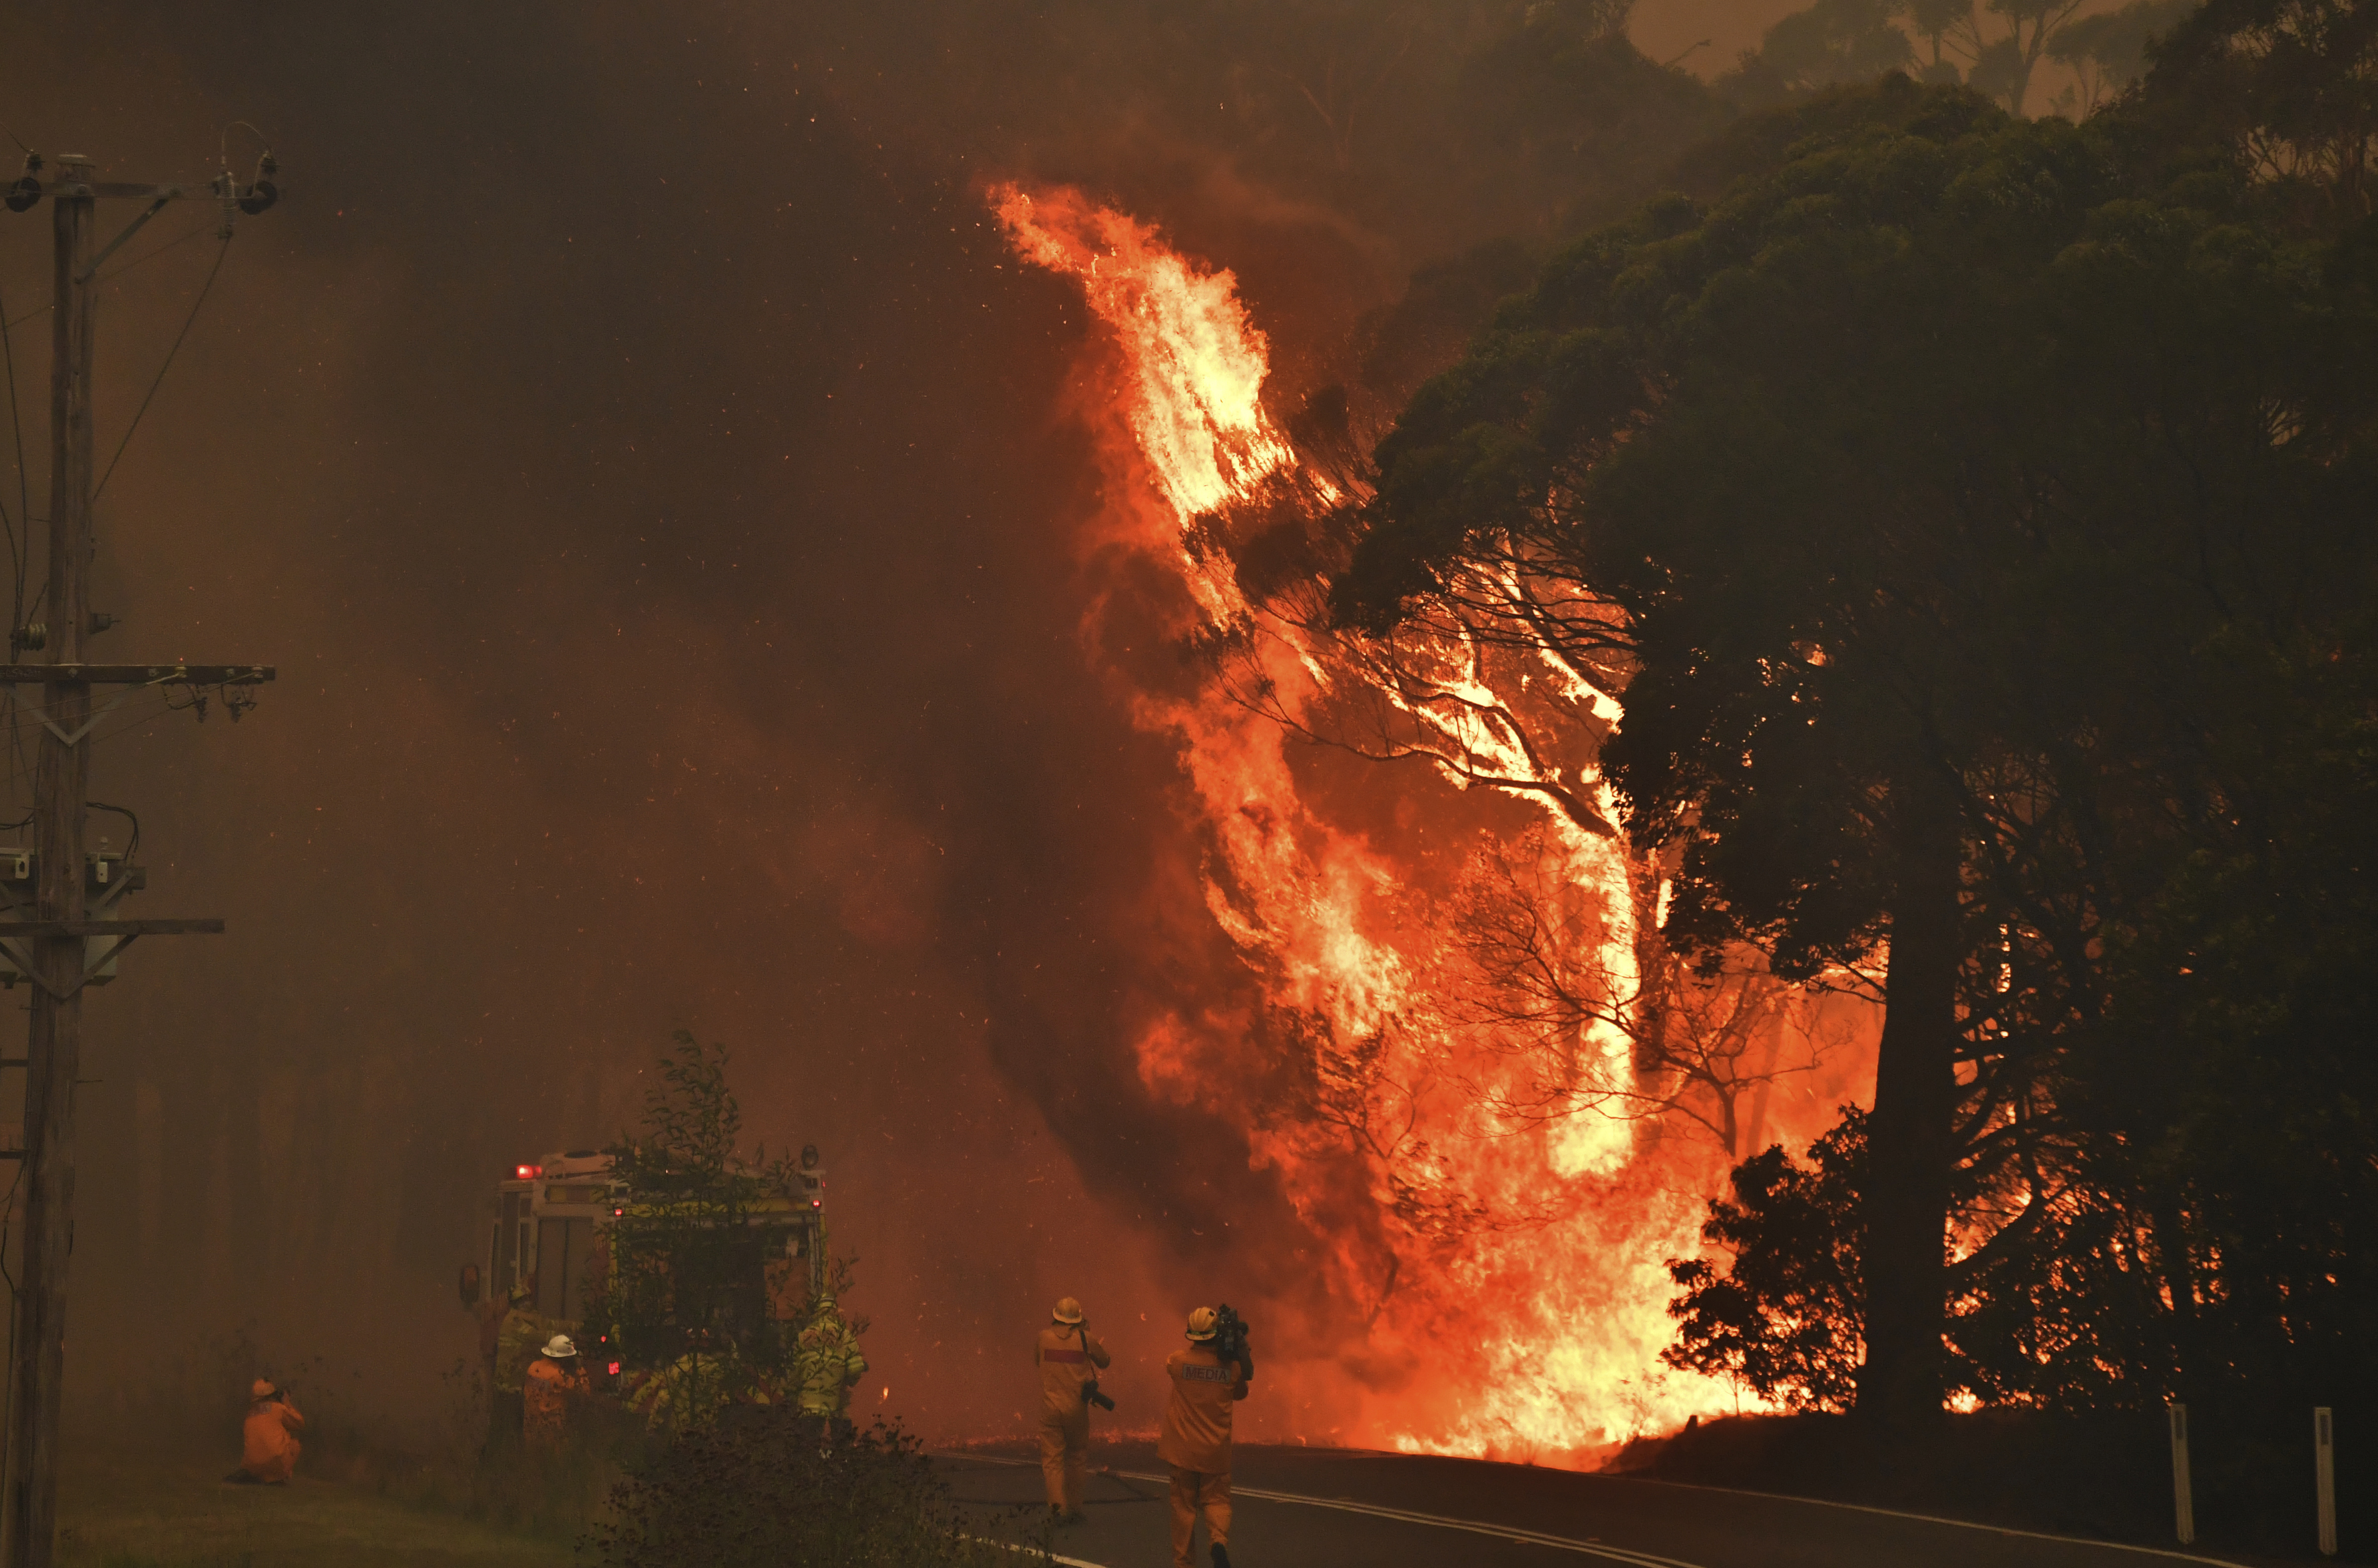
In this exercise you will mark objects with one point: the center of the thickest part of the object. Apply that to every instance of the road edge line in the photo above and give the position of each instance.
(1516, 1534)
(1033, 1554)
(1541, 1539)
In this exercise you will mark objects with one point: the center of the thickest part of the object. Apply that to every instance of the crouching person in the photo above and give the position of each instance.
(269, 1446)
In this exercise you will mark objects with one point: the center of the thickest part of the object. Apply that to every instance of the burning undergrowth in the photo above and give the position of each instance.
(1494, 1099)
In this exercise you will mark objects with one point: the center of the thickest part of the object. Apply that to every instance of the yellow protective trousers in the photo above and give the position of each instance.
(1193, 1494)
(1064, 1454)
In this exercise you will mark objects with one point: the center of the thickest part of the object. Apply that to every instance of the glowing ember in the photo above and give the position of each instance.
(1492, 1173)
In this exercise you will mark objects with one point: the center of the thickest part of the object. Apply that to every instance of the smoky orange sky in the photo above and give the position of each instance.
(654, 480)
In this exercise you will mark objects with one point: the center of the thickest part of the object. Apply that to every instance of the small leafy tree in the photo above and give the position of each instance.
(1786, 1320)
(688, 1274)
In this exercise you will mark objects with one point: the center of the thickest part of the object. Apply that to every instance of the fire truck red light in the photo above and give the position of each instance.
(615, 1369)
(523, 1173)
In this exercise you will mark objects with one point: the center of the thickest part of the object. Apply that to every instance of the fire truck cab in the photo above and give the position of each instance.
(547, 1215)
(549, 1212)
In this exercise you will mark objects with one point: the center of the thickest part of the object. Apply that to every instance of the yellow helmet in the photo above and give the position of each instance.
(1201, 1324)
(1067, 1311)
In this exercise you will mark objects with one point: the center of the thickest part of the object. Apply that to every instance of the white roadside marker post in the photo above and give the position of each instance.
(2324, 1459)
(2183, 1506)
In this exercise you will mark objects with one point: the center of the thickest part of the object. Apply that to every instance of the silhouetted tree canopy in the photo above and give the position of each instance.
(2108, 49)
(1786, 1322)
(1988, 503)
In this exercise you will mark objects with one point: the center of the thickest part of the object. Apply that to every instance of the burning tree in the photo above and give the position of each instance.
(1939, 475)
(1702, 1042)
(1455, 1088)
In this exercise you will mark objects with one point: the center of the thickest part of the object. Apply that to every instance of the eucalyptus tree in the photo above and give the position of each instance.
(1926, 469)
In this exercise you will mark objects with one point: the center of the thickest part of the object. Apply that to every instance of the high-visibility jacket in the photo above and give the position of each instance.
(544, 1410)
(524, 1333)
(828, 1362)
(1197, 1434)
(269, 1446)
(1067, 1358)
(691, 1390)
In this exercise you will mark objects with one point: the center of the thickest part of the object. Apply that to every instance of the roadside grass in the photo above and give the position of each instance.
(129, 1512)
(143, 1486)
(758, 1490)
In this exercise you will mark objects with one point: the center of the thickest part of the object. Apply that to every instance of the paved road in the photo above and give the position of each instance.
(1322, 1508)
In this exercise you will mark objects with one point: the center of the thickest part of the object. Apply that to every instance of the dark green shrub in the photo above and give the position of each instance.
(759, 1490)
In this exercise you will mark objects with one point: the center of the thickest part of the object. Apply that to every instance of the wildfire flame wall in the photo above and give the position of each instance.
(1488, 1248)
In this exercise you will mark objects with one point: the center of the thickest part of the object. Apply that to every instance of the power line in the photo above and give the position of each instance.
(21, 551)
(133, 720)
(121, 268)
(204, 289)
(185, 238)
(16, 567)
(135, 714)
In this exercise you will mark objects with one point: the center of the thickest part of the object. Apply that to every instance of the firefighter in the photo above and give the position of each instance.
(516, 1345)
(1196, 1438)
(1069, 1362)
(269, 1446)
(829, 1363)
(691, 1390)
(551, 1379)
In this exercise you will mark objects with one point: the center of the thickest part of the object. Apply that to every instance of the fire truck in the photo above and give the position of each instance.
(550, 1213)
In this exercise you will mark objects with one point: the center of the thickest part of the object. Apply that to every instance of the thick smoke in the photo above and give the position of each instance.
(652, 478)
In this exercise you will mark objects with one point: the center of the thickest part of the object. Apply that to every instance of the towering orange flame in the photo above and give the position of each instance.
(1492, 1189)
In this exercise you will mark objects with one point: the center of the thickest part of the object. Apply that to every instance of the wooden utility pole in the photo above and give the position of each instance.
(53, 1053)
(55, 950)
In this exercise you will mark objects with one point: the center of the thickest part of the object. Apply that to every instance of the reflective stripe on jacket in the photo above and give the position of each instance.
(1067, 1358)
(829, 1362)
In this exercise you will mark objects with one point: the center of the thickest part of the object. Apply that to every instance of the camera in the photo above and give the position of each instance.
(1231, 1339)
(1090, 1396)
